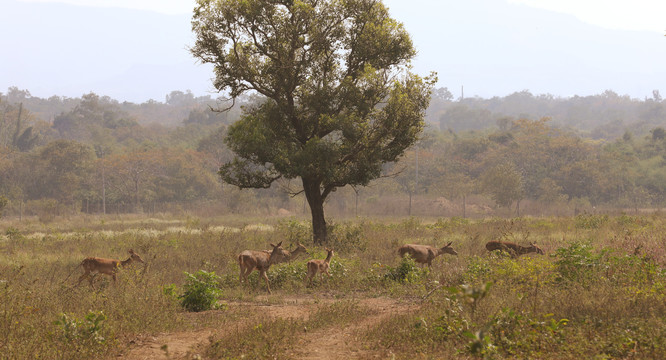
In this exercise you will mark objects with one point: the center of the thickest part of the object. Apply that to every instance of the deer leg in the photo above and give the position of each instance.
(268, 287)
(247, 273)
(308, 279)
(513, 253)
(82, 277)
(243, 274)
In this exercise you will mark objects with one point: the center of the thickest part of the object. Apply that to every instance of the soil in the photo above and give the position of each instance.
(326, 343)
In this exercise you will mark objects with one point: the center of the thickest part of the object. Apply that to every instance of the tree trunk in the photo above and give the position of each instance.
(409, 211)
(518, 208)
(103, 190)
(464, 206)
(136, 197)
(315, 199)
(356, 203)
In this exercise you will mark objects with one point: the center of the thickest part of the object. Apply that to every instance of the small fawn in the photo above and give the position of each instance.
(319, 266)
(109, 267)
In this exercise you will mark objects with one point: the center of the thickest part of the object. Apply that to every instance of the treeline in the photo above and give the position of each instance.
(96, 155)
(605, 116)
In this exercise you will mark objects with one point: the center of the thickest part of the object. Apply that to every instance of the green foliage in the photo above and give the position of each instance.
(201, 291)
(170, 291)
(480, 345)
(477, 268)
(590, 221)
(579, 263)
(3, 203)
(88, 332)
(285, 275)
(348, 237)
(632, 221)
(451, 223)
(514, 334)
(334, 127)
(294, 231)
(13, 234)
(406, 272)
(470, 294)
(504, 183)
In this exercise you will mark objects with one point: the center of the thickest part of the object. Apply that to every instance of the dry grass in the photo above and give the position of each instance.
(611, 300)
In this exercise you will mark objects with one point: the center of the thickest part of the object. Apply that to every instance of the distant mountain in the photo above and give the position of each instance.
(490, 47)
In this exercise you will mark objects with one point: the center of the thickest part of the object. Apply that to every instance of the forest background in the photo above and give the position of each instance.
(522, 154)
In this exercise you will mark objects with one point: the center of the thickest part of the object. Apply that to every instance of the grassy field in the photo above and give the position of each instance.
(598, 293)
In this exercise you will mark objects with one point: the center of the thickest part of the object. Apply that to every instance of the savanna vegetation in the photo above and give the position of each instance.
(325, 115)
(598, 292)
(99, 156)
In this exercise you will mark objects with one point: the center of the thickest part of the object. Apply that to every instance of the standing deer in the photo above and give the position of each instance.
(249, 260)
(513, 249)
(109, 267)
(424, 254)
(319, 266)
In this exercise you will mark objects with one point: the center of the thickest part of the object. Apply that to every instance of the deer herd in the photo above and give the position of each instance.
(261, 260)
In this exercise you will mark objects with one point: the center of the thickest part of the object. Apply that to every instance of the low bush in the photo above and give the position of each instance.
(201, 291)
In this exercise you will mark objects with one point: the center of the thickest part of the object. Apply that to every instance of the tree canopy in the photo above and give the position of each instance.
(339, 100)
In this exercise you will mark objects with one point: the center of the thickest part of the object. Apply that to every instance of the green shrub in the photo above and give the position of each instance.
(13, 234)
(577, 262)
(346, 238)
(294, 231)
(589, 221)
(406, 272)
(201, 291)
(87, 334)
(450, 224)
(477, 269)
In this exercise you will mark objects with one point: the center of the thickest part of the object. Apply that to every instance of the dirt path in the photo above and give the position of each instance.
(344, 343)
(326, 343)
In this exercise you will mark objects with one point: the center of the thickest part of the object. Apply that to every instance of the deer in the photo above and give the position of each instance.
(92, 265)
(249, 260)
(319, 266)
(424, 254)
(291, 255)
(513, 249)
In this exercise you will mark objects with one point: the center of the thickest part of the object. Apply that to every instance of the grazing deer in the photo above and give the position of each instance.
(424, 254)
(291, 255)
(319, 266)
(249, 260)
(513, 249)
(109, 267)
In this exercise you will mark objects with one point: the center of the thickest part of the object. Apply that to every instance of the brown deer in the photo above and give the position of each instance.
(319, 266)
(249, 260)
(424, 254)
(109, 267)
(513, 249)
(291, 255)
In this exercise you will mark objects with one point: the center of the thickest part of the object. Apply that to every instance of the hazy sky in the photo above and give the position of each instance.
(489, 47)
(647, 15)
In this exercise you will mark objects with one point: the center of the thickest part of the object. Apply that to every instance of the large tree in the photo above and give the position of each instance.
(339, 100)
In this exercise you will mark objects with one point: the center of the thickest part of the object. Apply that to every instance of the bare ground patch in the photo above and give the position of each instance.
(345, 342)
(325, 343)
